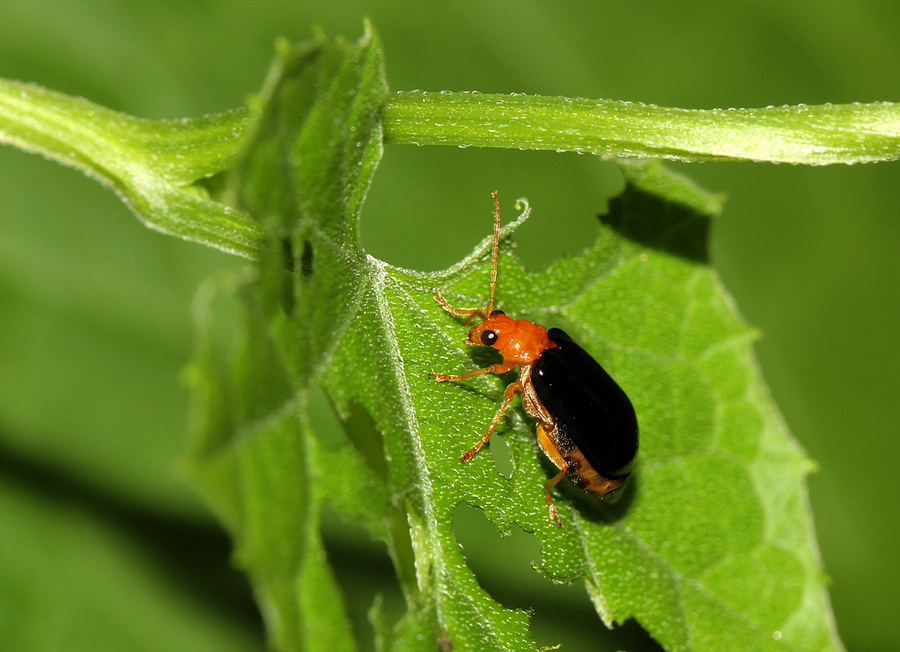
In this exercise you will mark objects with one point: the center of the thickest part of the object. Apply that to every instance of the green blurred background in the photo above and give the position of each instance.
(102, 546)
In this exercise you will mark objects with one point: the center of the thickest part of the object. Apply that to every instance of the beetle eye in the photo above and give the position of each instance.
(488, 338)
(494, 313)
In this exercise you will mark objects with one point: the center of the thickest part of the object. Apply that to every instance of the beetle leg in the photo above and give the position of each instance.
(468, 313)
(507, 399)
(552, 482)
(493, 369)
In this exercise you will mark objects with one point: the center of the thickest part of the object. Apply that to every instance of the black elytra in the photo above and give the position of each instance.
(587, 405)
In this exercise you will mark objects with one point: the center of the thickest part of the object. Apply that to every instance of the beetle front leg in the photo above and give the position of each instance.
(468, 313)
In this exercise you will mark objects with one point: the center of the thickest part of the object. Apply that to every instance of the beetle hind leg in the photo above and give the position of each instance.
(552, 482)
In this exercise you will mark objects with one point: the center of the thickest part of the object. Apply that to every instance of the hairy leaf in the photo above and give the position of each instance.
(313, 135)
(709, 549)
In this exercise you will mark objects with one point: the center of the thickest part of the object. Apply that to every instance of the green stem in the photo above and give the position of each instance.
(152, 164)
(812, 135)
(155, 164)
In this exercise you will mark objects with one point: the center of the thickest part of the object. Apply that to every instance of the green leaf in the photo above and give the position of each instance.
(705, 573)
(312, 145)
(716, 518)
(710, 548)
(718, 529)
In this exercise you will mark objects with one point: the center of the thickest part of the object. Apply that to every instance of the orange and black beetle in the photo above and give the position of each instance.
(586, 424)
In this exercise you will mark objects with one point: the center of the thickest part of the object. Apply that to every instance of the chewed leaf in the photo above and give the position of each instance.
(711, 544)
(709, 547)
(255, 456)
(713, 550)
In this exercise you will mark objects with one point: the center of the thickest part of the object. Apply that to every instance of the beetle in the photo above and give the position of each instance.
(586, 424)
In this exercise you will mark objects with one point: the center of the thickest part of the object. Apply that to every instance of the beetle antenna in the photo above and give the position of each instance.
(494, 251)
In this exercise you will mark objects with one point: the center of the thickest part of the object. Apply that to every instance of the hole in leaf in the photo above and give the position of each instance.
(322, 419)
(353, 425)
(560, 613)
(365, 573)
(306, 260)
(287, 254)
(500, 453)
(503, 564)
(657, 221)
